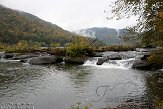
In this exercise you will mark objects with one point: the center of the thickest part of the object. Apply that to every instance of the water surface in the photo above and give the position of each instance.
(61, 86)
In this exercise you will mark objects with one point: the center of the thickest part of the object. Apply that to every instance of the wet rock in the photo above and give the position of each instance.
(160, 80)
(142, 50)
(9, 55)
(127, 106)
(45, 60)
(149, 46)
(115, 57)
(101, 60)
(145, 57)
(140, 64)
(75, 60)
(24, 60)
(97, 54)
(2, 54)
(24, 56)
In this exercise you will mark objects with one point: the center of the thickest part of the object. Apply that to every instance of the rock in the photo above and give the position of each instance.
(8, 55)
(145, 57)
(24, 60)
(24, 56)
(142, 50)
(149, 46)
(141, 64)
(75, 60)
(115, 57)
(101, 60)
(97, 54)
(2, 54)
(128, 106)
(45, 60)
(160, 80)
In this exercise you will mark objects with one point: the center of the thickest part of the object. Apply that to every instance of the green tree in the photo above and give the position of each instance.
(150, 18)
(79, 47)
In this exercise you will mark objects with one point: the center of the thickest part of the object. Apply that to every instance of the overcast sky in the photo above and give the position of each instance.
(71, 14)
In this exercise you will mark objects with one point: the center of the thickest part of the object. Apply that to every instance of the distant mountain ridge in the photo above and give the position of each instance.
(109, 36)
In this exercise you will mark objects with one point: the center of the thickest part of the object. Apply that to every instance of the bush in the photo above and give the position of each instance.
(156, 59)
(75, 50)
(79, 47)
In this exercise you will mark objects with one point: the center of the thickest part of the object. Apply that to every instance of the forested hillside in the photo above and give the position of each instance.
(16, 26)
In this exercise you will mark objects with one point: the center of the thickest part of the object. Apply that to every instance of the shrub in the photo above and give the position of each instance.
(75, 50)
(79, 47)
(156, 59)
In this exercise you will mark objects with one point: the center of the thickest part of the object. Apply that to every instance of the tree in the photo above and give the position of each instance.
(150, 20)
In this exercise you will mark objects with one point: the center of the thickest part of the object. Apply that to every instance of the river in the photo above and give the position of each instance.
(61, 86)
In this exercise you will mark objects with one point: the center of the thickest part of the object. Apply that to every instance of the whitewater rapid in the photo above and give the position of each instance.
(124, 64)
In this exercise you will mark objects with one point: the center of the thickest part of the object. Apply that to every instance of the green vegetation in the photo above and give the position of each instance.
(79, 48)
(20, 47)
(156, 59)
(16, 26)
(79, 106)
(149, 29)
(19, 26)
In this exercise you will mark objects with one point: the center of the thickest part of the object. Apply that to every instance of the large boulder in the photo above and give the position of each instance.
(141, 64)
(45, 60)
(75, 60)
(101, 60)
(144, 65)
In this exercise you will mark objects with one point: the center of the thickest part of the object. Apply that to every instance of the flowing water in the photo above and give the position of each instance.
(60, 86)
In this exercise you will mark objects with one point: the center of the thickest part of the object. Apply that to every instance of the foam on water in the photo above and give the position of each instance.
(6, 60)
(112, 64)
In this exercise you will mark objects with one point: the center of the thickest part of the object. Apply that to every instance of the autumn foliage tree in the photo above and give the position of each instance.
(150, 18)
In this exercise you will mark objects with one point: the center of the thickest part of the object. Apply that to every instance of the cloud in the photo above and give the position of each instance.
(70, 14)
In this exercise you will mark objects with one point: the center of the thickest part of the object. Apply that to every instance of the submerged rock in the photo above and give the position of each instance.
(45, 60)
(75, 60)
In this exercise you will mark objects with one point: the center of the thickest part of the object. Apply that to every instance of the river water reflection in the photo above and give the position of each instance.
(61, 86)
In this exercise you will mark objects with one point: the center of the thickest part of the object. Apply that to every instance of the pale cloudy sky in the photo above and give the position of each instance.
(71, 14)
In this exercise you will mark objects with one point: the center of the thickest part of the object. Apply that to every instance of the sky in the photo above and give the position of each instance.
(71, 15)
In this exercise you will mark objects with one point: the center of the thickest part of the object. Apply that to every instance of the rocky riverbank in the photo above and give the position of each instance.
(40, 58)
